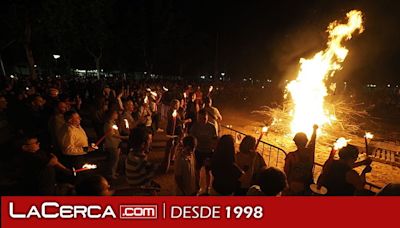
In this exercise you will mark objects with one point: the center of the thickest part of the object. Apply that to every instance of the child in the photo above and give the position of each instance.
(139, 171)
(185, 172)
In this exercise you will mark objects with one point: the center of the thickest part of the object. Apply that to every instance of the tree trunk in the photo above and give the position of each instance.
(3, 70)
(28, 48)
(97, 60)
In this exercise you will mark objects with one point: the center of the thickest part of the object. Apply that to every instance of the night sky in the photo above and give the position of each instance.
(259, 39)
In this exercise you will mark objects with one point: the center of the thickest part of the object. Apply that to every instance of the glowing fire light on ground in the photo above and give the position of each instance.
(308, 90)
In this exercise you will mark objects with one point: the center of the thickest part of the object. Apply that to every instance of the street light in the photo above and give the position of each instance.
(55, 56)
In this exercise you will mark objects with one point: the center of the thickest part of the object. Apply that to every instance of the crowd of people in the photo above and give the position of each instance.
(51, 128)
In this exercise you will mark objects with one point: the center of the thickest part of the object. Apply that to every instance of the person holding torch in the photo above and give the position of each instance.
(339, 144)
(74, 143)
(299, 164)
(340, 178)
(145, 113)
(174, 132)
(112, 143)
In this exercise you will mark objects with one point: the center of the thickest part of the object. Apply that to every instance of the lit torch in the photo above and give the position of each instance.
(154, 94)
(263, 131)
(210, 90)
(114, 127)
(184, 99)
(146, 100)
(367, 136)
(174, 114)
(126, 123)
(339, 144)
(84, 168)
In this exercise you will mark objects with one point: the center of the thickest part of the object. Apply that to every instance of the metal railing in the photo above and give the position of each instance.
(386, 156)
(273, 155)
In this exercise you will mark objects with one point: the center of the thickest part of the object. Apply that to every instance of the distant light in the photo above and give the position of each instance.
(223, 73)
(262, 87)
(388, 85)
(145, 72)
(345, 83)
(244, 79)
(12, 76)
(203, 77)
(56, 56)
(35, 65)
(250, 79)
(27, 88)
(210, 76)
(220, 79)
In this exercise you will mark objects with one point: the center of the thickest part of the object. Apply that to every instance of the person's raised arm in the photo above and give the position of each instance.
(219, 116)
(121, 106)
(311, 143)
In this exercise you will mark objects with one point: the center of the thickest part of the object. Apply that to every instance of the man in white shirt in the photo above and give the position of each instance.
(74, 141)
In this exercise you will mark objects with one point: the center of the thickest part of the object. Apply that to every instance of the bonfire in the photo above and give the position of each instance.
(307, 98)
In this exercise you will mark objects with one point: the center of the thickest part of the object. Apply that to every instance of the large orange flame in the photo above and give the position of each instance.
(308, 90)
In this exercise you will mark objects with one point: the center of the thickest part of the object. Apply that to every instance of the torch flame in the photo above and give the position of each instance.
(174, 113)
(154, 94)
(89, 166)
(308, 90)
(146, 100)
(126, 123)
(165, 88)
(210, 89)
(264, 129)
(115, 127)
(340, 143)
(368, 135)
